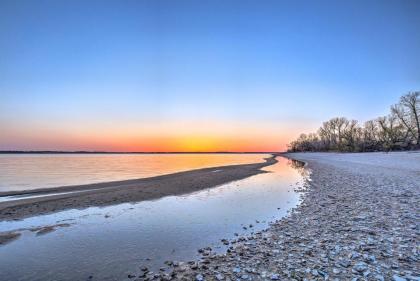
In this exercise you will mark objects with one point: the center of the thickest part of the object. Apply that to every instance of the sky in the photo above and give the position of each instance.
(197, 75)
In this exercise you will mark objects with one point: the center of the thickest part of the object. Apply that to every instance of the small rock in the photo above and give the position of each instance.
(144, 268)
(345, 263)
(219, 277)
(379, 277)
(398, 278)
(360, 267)
(275, 276)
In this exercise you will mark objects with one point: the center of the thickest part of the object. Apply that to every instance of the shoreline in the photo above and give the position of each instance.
(116, 192)
(357, 220)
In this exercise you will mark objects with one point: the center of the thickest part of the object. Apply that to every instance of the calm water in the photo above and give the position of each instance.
(31, 171)
(111, 242)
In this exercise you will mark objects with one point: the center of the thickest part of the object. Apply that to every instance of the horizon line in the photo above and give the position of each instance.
(127, 152)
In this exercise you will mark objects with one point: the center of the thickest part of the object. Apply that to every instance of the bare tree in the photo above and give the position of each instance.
(411, 104)
(370, 140)
(350, 136)
(390, 132)
(399, 130)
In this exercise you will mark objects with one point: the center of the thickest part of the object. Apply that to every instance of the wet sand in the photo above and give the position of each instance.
(103, 194)
(9, 236)
(6, 237)
(358, 220)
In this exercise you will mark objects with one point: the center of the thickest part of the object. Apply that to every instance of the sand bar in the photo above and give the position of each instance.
(109, 193)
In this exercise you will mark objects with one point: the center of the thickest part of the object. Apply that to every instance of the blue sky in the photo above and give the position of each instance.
(67, 67)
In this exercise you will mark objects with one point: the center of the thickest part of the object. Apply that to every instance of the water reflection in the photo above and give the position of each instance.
(296, 164)
(299, 166)
(111, 242)
(23, 171)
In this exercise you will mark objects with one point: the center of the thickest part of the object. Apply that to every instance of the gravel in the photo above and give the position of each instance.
(358, 220)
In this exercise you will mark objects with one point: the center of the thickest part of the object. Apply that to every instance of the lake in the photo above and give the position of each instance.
(111, 242)
(33, 171)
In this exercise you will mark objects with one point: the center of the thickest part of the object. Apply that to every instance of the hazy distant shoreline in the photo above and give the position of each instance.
(109, 193)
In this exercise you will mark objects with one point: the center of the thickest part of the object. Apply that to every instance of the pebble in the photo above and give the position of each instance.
(275, 277)
(360, 267)
(398, 278)
(355, 222)
(219, 277)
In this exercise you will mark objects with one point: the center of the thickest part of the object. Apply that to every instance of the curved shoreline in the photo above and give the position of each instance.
(109, 193)
(358, 220)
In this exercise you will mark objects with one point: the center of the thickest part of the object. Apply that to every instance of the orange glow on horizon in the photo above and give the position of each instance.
(173, 137)
(159, 144)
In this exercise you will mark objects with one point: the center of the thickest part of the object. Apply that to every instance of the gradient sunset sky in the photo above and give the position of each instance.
(197, 75)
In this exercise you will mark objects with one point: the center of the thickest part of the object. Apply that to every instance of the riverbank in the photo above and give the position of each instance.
(358, 220)
(109, 193)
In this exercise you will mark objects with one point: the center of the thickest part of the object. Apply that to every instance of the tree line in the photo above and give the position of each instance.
(399, 130)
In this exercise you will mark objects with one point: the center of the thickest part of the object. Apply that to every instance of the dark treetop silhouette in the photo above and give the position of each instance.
(400, 130)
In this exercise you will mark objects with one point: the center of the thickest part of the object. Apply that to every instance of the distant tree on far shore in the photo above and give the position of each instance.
(400, 130)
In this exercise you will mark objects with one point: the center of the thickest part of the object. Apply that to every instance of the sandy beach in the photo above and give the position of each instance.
(358, 220)
(109, 193)
(210, 140)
